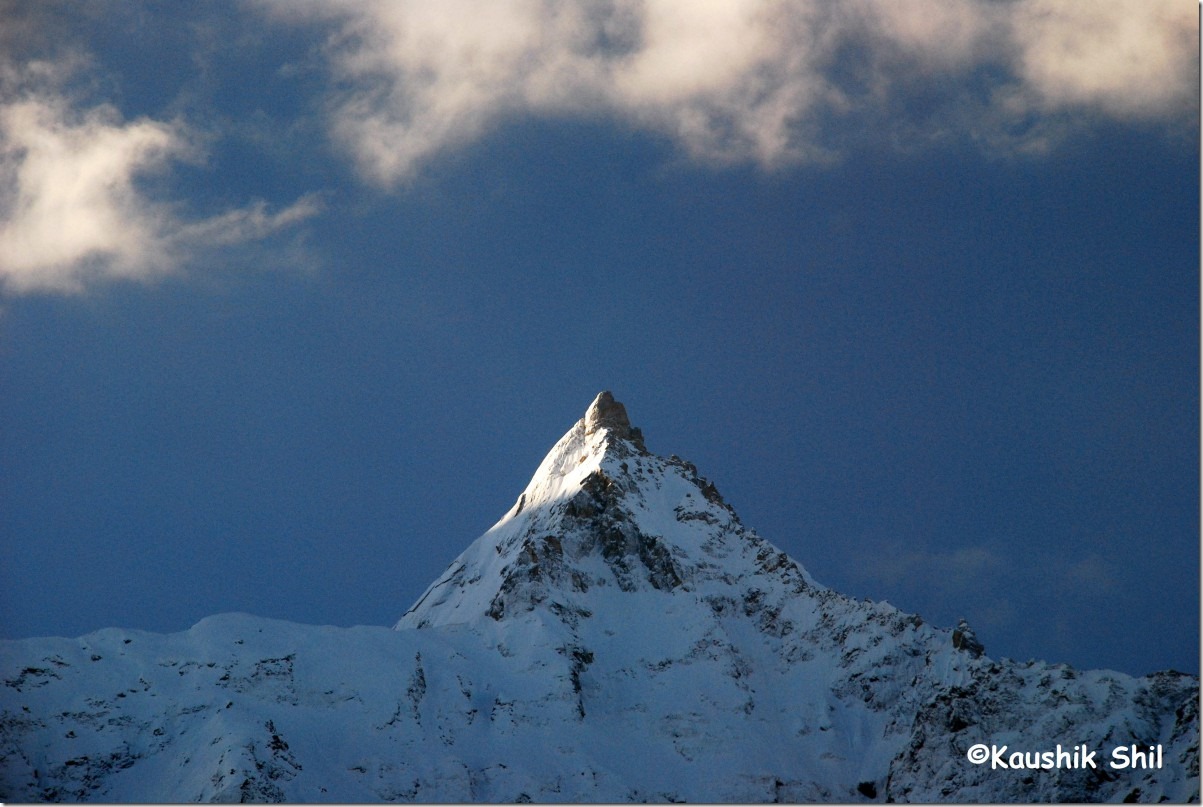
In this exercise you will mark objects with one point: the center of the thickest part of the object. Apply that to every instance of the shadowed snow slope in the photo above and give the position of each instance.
(618, 635)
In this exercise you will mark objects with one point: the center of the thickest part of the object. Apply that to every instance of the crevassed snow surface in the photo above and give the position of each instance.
(619, 635)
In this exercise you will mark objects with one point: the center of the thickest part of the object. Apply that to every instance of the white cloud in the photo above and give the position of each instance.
(768, 81)
(1128, 59)
(70, 204)
(422, 77)
(72, 211)
(730, 81)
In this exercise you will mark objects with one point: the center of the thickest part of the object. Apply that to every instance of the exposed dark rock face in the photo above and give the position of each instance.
(964, 639)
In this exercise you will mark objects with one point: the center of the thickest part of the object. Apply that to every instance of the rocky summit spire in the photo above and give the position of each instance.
(606, 413)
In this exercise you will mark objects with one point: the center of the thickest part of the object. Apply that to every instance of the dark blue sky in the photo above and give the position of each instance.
(943, 352)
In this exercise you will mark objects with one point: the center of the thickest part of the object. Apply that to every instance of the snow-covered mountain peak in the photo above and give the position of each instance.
(602, 514)
(604, 432)
(618, 635)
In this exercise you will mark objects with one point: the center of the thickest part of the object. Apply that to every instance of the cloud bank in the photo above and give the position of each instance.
(72, 210)
(771, 82)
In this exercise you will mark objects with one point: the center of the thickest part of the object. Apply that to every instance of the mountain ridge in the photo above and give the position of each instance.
(618, 635)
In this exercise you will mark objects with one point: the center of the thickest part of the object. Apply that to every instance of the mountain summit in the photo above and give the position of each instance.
(618, 635)
(602, 514)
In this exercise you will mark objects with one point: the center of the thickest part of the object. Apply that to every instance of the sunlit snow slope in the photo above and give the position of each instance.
(618, 635)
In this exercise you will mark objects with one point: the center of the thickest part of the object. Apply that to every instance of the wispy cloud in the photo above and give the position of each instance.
(72, 209)
(999, 590)
(769, 82)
